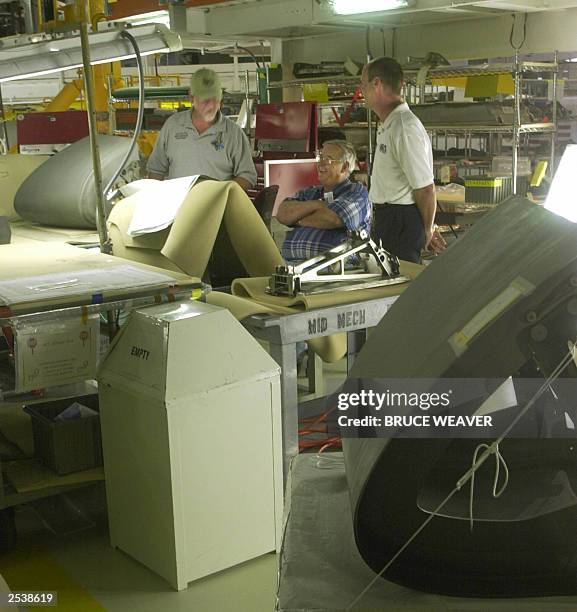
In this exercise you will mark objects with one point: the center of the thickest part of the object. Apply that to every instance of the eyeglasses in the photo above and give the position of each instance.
(320, 158)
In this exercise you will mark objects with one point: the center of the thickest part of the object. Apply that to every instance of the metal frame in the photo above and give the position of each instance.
(524, 128)
(105, 246)
(283, 332)
(116, 303)
(316, 275)
(516, 120)
(139, 296)
(434, 73)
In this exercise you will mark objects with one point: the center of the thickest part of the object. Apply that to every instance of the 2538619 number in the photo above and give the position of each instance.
(39, 598)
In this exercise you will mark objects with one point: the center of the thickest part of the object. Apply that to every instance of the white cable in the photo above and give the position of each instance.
(326, 461)
(496, 493)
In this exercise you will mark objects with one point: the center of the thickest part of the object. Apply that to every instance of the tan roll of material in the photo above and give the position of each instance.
(207, 206)
(14, 169)
(188, 243)
(329, 348)
(241, 308)
(140, 249)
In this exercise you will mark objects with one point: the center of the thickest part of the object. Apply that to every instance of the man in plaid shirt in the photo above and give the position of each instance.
(322, 215)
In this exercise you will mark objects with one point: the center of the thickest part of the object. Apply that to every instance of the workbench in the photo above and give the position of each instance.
(49, 287)
(284, 331)
(321, 319)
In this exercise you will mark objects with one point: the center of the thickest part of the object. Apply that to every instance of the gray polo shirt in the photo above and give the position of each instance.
(222, 152)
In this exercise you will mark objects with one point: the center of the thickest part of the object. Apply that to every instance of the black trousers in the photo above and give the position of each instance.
(400, 229)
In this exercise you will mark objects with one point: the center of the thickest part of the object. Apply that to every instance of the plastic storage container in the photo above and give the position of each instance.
(70, 445)
(493, 189)
(503, 166)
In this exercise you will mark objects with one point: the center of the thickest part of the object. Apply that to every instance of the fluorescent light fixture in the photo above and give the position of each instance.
(562, 196)
(65, 52)
(147, 18)
(356, 7)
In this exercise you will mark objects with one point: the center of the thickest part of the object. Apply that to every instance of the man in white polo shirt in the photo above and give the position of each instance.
(402, 181)
(203, 141)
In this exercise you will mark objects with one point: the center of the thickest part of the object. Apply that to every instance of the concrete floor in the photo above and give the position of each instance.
(89, 575)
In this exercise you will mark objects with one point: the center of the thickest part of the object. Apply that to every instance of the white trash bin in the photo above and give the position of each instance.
(191, 433)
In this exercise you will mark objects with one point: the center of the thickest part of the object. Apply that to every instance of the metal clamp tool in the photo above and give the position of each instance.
(332, 270)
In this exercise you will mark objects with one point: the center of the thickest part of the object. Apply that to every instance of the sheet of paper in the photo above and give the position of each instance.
(136, 186)
(50, 354)
(158, 203)
(80, 282)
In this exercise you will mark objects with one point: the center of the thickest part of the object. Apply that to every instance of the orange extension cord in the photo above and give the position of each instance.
(314, 425)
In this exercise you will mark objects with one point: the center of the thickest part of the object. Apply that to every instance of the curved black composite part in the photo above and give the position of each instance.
(528, 545)
(61, 191)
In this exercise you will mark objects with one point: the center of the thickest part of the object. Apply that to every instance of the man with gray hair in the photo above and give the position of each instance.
(321, 215)
(203, 141)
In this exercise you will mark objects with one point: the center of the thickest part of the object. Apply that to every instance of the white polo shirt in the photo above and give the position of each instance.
(403, 159)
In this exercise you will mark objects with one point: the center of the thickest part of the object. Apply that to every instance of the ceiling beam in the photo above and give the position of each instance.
(325, 14)
(258, 17)
(273, 18)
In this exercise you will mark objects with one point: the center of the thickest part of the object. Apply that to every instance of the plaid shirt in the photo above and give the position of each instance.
(351, 203)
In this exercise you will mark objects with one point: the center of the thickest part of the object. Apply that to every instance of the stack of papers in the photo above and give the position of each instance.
(75, 411)
(157, 202)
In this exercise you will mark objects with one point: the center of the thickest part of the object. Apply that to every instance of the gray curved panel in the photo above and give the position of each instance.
(391, 480)
(61, 191)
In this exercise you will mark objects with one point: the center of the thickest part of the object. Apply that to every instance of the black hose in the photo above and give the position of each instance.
(3, 115)
(251, 54)
(140, 115)
(515, 46)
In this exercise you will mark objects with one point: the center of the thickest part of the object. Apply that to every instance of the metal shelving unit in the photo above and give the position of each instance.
(517, 66)
(62, 310)
(525, 128)
(517, 69)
